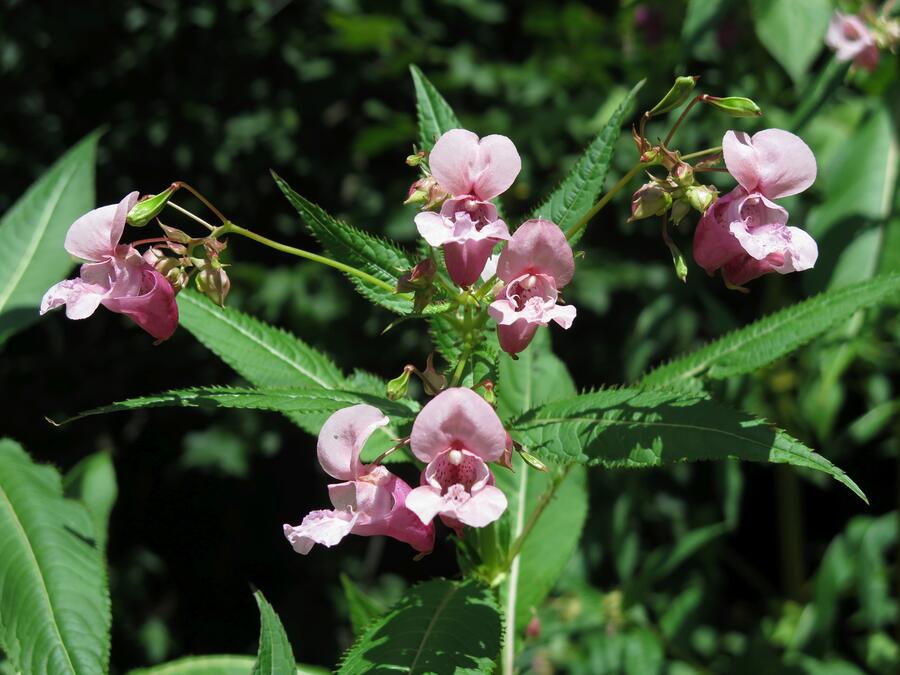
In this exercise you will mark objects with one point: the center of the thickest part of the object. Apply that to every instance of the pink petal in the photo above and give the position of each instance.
(758, 225)
(154, 310)
(802, 252)
(537, 247)
(97, 233)
(371, 498)
(714, 245)
(343, 436)
(401, 523)
(464, 165)
(433, 228)
(320, 527)
(563, 315)
(81, 299)
(466, 261)
(740, 159)
(786, 164)
(516, 336)
(483, 508)
(458, 418)
(425, 502)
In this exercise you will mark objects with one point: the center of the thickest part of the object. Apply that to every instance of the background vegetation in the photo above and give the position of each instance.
(697, 568)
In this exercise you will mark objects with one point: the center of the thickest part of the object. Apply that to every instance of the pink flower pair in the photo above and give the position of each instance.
(468, 226)
(456, 433)
(744, 233)
(115, 276)
(851, 40)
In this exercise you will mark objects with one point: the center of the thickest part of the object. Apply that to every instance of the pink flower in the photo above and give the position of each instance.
(116, 276)
(536, 263)
(467, 227)
(745, 233)
(456, 433)
(370, 501)
(852, 41)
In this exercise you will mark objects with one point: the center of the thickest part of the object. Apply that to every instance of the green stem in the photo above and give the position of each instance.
(544, 502)
(702, 153)
(203, 199)
(460, 367)
(604, 200)
(681, 117)
(229, 228)
(191, 215)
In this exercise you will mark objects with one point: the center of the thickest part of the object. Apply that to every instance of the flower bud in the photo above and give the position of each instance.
(701, 197)
(533, 629)
(398, 387)
(681, 269)
(650, 200)
(147, 209)
(212, 281)
(416, 159)
(734, 106)
(159, 260)
(506, 458)
(679, 210)
(418, 277)
(531, 460)
(426, 191)
(432, 380)
(176, 235)
(683, 173)
(178, 277)
(677, 95)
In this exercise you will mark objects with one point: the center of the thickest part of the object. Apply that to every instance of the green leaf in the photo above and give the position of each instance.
(264, 355)
(439, 626)
(32, 257)
(54, 602)
(633, 428)
(793, 31)
(579, 190)
(363, 609)
(269, 398)
(435, 114)
(371, 254)
(774, 336)
(219, 664)
(275, 654)
(93, 482)
(537, 377)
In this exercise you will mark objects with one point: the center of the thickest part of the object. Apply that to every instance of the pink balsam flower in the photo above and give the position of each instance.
(744, 233)
(851, 40)
(369, 501)
(535, 265)
(468, 226)
(457, 433)
(115, 276)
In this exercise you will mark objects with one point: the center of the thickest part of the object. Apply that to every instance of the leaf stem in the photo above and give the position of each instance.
(203, 199)
(684, 113)
(191, 215)
(604, 200)
(702, 153)
(229, 228)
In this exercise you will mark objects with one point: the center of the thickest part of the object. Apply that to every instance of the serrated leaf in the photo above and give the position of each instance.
(537, 377)
(54, 602)
(634, 428)
(435, 115)
(373, 255)
(579, 190)
(267, 398)
(774, 336)
(792, 31)
(363, 609)
(32, 257)
(93, 482)
(275, 655)
(439, 626)
(218, 664)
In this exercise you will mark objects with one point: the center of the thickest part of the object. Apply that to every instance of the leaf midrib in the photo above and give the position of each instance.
(39, 232)
(222, 316)
(440, 608)
(43, 586)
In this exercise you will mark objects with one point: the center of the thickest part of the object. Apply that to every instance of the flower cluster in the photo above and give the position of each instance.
(745, 233)
(456, 434)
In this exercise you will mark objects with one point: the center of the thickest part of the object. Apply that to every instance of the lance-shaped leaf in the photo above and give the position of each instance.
(218, 664)
(634, 428)
(32, 257)
(275, 654)
(93, 482)
(369, 253)
(774, 336)
(439, 626)
(436, 117)
(54, 602)
(575, 196)
(267, 398)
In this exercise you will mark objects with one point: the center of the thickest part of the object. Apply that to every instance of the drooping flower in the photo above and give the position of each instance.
(115, 276)
(457, 433)
(468, 226)
(744, 233)
(851, 40)
(535, 265)
(369, 501)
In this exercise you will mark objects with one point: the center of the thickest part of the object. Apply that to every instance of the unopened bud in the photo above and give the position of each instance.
(178, 277)
(147, 209)
(397, 388)
(432, 380)
(160, 261)
(701, 197)
(506, 458)
(416, 159)
(427, 192)
(531, 460)
(419, 276)
(678, 261)
(212, 281)
(533, 629)
(174, 234)
(683, 173)
(679, 210)
(649, 200)
(490, 396)
(677, 95)
(734, 106)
